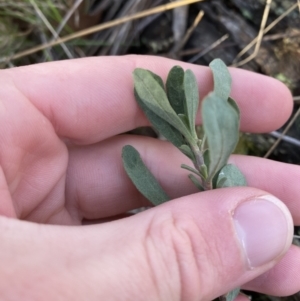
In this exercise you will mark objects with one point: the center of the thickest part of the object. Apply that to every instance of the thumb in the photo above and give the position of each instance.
(194, 248)
(198, 247)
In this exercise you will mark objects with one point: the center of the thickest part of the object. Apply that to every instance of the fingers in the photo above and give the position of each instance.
(97, 180)
(88, 100)
(282, 279)
(242, 297)
(33, 160)
(99, 186)
(280, 179)
(194, 248)
(6, 204)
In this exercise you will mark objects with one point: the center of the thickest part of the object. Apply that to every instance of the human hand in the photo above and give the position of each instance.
(61, 163)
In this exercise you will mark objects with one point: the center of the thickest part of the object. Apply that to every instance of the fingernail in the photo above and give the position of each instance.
(264, 228)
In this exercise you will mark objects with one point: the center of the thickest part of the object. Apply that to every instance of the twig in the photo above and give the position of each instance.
(100, 27)
(278, 36)
(282, 134)
(259, 37)
(208, 49)
(296, 99)
(267, 29)
(286, 138)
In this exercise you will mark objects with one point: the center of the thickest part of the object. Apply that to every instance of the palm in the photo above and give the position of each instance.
(60, 154)
(59, 166)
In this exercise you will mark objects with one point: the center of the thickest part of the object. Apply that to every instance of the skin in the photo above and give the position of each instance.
(60, 158)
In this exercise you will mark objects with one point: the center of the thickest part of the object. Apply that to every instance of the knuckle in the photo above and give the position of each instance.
(178, 256)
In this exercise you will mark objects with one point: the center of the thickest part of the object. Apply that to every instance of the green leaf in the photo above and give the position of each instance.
(191, 169)
(203, 171)
(184, 120)
(222, 78)
(162, 126)
(158, 79)
(206, 158)
(232, 102)
(231, 295)
(175, 90)
(221, 126)
(154, 97)
(142, 178)
(230, 176)
(191, 99)
(221, 182)
(185, 149)
(196, 182)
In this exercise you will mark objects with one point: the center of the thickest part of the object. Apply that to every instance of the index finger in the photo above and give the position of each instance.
(88, 100)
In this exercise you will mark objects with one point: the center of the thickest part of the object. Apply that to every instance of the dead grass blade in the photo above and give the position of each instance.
(270, 151)
(68, 16)
(189, 32)
(208, 49)
(260, 35)
(100, 27)
(50, 28)
(267, 29)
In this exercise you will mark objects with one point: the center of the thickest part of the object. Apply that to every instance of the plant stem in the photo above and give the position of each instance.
(199, 162)
(198, 156)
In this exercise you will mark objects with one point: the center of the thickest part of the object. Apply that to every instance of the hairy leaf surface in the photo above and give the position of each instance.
(222, 78)
(191, 99)
(142, 178)
(175, 90)
(221, 126)
(162, 126)
(231, 295)
(230, 176)
(154, 97)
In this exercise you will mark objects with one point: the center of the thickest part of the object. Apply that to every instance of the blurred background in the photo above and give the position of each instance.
(258, 35)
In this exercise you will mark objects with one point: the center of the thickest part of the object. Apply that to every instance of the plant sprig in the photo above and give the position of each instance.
(172, 111)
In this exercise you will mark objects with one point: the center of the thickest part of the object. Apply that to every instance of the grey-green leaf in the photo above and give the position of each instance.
(196, 182)
(232, 102)
(158, 79)
(191, 169)
(221, 126)
(191, 99)
(231, 295)
(154, 97)
(230, 176)
(142, 178)
(221, 182)
(222, 78)
(175, 90)
(185, 149)
(162, 126)
(206, 158)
